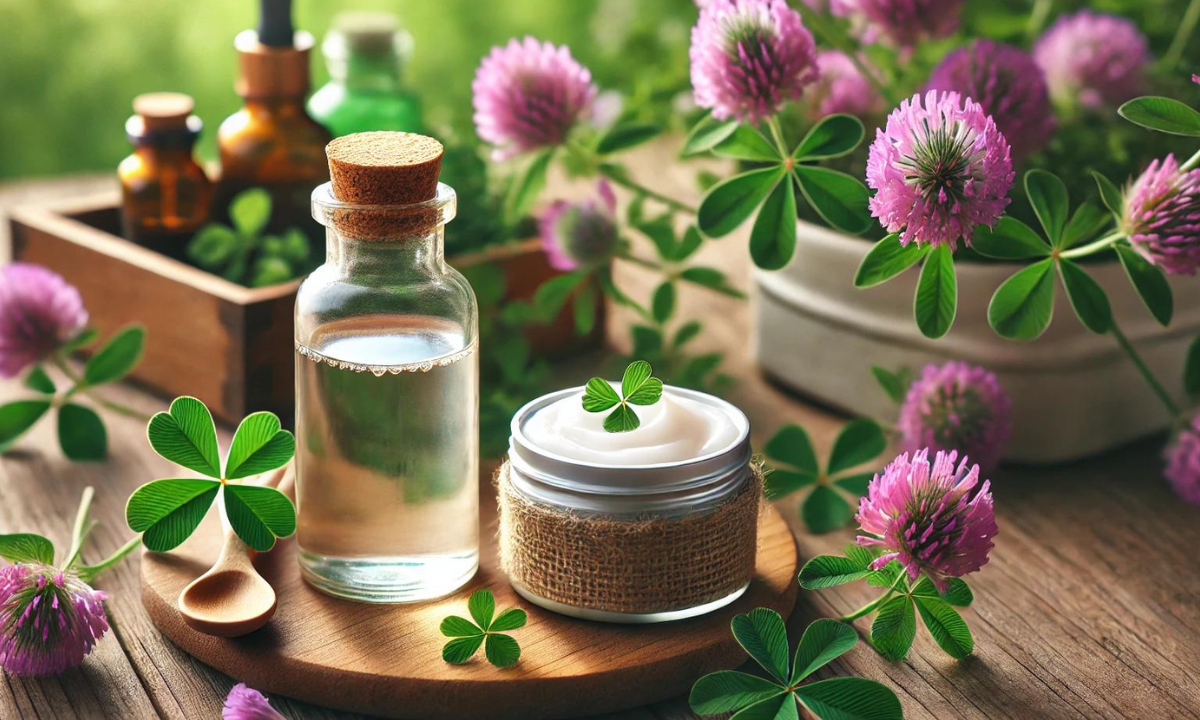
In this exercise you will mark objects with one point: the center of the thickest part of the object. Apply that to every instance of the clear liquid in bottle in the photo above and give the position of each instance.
(388, 491)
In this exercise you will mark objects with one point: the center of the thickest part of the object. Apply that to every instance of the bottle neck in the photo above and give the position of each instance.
(164, 154)
(387, 260)
(367, 72)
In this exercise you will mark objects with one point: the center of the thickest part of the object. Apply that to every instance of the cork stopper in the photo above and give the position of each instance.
(384, 168)
(370, 33)
(163, 110)
(394, 174)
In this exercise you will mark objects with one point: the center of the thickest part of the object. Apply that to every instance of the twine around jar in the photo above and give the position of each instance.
(648, 564)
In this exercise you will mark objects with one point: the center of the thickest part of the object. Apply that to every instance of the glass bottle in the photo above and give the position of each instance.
(165, 194)
(387, 399)
(366, 54)
(271, 142)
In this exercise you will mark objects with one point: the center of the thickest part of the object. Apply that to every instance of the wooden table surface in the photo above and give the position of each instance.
(1089, 608)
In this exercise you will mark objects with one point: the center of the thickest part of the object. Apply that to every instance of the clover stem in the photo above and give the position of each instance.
(777, 135)
(1092, 247)
(626, 255)
(871, 606)
(1191, 162)
(81, 529)
(1152, 381)
(630, 184)
(81, 386)
(1186, 26)
(1037, 19)
(90, 572)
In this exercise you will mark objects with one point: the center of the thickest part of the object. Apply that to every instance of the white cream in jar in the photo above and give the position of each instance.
(675, 429)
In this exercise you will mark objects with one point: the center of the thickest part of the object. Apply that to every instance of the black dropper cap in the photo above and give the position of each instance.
(275, 23)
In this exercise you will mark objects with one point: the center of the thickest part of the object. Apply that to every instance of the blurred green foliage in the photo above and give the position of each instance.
(69, 68)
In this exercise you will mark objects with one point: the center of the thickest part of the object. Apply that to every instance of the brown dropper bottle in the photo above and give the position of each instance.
(272, 142)
(165, 193)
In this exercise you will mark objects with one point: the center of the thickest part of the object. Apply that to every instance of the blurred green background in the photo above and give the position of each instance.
(69, 68)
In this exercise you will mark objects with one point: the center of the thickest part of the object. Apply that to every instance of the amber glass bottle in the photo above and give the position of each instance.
(272, 142)
(165, 193)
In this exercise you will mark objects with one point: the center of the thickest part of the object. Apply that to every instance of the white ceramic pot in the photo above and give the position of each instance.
(1073, 393)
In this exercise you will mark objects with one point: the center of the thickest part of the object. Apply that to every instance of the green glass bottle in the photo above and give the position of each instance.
(366, 54)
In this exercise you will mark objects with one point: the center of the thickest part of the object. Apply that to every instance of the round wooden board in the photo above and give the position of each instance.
(386, 659)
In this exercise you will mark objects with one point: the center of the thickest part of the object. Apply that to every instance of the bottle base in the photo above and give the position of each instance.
(405, 579)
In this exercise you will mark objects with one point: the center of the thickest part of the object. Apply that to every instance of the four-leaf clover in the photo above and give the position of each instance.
(501, 650)
(638, 387)
(763, 635)
(167, 512)
(795, 467)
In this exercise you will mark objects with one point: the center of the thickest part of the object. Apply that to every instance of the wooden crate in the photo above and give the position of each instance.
(229, 345)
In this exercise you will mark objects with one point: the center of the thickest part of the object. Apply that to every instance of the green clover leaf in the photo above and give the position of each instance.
(763, 635)
(794, 466)
(638, 387)
(26, 547)
(167, 512)
(894, 627)
(500, 650)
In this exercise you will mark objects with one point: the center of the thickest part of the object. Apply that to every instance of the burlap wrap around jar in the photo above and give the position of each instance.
(638, 544)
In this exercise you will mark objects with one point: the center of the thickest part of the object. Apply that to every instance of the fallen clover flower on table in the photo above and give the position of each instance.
(50, 616)
(246, 703)
(925, 526)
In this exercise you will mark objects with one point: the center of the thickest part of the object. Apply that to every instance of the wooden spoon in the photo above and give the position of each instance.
(232, 599)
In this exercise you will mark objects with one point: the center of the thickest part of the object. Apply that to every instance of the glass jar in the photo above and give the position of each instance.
(387, 406)
(165, 194)
(630, 543)
(366, 54)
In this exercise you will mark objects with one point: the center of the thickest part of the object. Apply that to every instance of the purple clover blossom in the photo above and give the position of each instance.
(39, 312)
(1093, 60)
(940, 168)
(956, 406)
(49, 619)
(841, 88)
(1183, 462)
(1162, 216)
(244, 703)
(904, 23)
(580, 234)
(528, 95)
(749, 57)
(935, 520)
(1008, 84)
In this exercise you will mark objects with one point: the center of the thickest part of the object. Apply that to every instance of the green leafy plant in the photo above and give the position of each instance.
(81, 432)
(769, 191)
(763, 635)
(168, 511)
(486, 630)
(638, 387)
(794, 467)
(33, 548)
(242, 253)
(894, 627)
